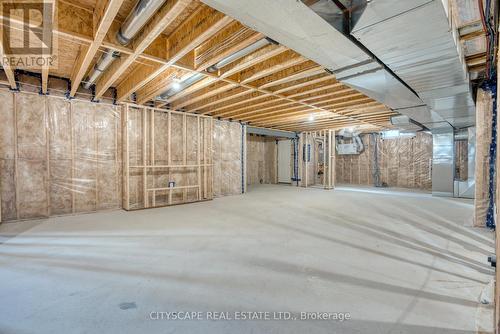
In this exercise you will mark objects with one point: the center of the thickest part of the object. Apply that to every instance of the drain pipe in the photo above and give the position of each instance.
(135, 21)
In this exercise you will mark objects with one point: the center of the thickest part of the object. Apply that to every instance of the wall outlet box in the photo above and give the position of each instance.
(171, 184)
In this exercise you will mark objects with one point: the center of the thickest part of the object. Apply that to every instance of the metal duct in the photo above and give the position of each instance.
(239, 54)
(403, 122)
(271, 132)
(372, 77)
(101, 66)
(416, 40)
(226, 61)
(138, 17)
(313, 28)
(182, 85)
(443, 162)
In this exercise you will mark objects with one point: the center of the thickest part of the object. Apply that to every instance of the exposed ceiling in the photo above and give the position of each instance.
(273, 86)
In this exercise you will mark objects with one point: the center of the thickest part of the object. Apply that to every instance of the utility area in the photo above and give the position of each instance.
(236, 166)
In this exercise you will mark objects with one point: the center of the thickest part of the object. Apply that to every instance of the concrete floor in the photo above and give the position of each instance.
(396, 262)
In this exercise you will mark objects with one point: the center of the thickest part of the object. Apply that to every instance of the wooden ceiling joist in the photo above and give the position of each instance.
(271, 86)
(285, 112)
(283, 72)
(258, 113)
(252, 59)
(205, 82)
(309, 72)
(310, 91)
(224, 44)
(270, 105)
(248, 101)
(216, 88)
(290, 121)
(270, 66)
(200, 26)
(335, 96)
(161, 83)
(298, 84)
(149, 33)
(233, 93)
(203, 24)
(104, 15)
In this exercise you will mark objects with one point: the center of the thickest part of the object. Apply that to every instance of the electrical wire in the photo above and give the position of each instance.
(490, 35)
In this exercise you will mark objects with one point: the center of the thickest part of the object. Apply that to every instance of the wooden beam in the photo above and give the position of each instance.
(205, 82)
(259, 112)
(342, 112)
(263, 106)
(201, 25)
(332, 96)
(219, 98)
(104, 15)
(256, 108)
(229, 40)
(4, 52)
(214, 89)
(254, 96)
(301, 83)
(165, 16)
(333, 108)
(241, 64)
(310, 92)
(301, 73)
(288, 120)
(46, 63)
(270, 66)
(161, 84)
(252, 59)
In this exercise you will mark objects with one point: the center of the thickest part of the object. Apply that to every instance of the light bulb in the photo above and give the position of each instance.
(176, 85)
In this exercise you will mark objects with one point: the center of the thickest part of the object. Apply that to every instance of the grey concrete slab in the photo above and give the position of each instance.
(397, 262)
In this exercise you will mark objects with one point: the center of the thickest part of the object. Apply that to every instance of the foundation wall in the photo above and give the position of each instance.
(57, 156)
(402, 162)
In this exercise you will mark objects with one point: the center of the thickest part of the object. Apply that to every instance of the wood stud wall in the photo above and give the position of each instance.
(311, 165)
(168, 157)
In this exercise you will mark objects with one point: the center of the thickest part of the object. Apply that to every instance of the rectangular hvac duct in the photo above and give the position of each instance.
(417, 41)
(443, 161)
(424, 56)
(271, 132)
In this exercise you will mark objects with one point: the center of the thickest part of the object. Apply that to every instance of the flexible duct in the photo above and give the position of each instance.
(135, 21)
